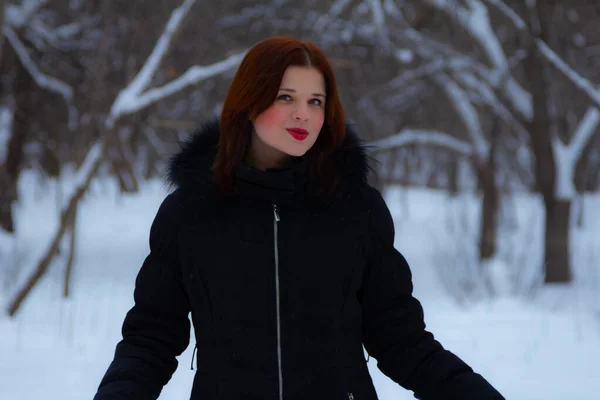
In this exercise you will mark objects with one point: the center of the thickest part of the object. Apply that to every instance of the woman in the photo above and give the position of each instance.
(284, 256)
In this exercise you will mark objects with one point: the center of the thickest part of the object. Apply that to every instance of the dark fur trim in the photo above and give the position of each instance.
(192, 165)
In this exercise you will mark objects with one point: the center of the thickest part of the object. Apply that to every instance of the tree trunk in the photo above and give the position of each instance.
(491, 197)
(453, 175)
(65, 218)
(2, 14)
(556, 244)
(72, 241)
(556, 254)
(22, 89)
(489, 212)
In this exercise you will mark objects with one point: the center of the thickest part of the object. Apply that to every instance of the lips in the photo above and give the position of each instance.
(298, 133)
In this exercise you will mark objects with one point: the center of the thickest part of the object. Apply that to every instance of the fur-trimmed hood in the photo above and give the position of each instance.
(192, 165)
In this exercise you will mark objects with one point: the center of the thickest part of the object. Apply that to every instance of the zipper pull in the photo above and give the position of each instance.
(276, 213)
(350, 396)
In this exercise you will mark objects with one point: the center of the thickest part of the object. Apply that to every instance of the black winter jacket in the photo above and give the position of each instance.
(283, 291)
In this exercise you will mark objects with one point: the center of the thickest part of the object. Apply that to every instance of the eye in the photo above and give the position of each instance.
(316, 102)
(284, 97)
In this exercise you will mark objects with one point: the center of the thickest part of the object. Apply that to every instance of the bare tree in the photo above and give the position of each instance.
(555, 160)
(133, 98)
(525, 111)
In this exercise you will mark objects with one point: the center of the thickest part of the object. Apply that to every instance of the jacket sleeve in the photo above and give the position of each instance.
(394, 329)
(156, 329)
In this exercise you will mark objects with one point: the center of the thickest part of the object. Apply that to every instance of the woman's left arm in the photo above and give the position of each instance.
(394, 329)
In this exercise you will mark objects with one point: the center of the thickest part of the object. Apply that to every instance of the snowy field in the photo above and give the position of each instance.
(542, 345)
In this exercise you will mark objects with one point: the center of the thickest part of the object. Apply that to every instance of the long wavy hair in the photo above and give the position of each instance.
(254, 89)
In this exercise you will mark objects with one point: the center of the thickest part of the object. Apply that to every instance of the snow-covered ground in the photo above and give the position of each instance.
(544, 346)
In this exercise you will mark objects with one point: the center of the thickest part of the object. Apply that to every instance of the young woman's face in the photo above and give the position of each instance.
(291, 125)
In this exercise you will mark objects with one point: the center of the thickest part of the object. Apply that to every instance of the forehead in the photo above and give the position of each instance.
(303, 79)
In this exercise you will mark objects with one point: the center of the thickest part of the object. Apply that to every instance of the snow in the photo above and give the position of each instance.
(565, 170)
(405, 56)
(543, 346)
(6, 117)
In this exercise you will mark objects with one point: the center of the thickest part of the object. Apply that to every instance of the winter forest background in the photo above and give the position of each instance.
(483, 115)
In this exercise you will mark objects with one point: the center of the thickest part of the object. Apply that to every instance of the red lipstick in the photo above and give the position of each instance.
(298, 133)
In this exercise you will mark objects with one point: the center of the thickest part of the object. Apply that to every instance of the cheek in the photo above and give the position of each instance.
(272, 116)
(318, 121)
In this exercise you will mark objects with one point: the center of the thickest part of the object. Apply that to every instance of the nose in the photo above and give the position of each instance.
(300, 114)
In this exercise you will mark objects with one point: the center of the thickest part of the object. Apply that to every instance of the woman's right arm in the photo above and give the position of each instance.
(156, 329)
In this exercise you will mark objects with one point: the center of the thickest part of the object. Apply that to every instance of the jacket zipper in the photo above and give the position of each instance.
(276, 220)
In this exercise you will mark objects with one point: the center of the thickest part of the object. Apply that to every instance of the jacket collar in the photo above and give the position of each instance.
(191, 166)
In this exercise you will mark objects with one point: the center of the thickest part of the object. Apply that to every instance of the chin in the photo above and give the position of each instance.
(297, 152)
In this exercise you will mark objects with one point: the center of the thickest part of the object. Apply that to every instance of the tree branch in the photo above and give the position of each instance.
(476, 21)
(144, 76)
(584, 132)
(191, 77)
(459, 98)
(379, 21)
(19, 16)
(489, 97)
(423, 137)
(44, 81)
(586, 86)
(582, 83)
(85, 174)
(335, 10)
(133, 99)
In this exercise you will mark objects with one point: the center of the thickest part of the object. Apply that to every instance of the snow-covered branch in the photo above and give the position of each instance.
(582, 83)
(127, 105)
(475, 20)
(460, 100)
(567, 155)
(18, 16)
(145, 75)
(6, 119)
(488, 96)
(42, 80)
(584, 132)
(508, 12)
(379, 20)
(133, 98)
(426, 70)
(423, 137)
(63, 37)
(335, 10)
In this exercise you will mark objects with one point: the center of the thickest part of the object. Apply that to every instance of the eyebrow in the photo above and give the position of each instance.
(294, 91)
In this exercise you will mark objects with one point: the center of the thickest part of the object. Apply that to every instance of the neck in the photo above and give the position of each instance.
(265, 158)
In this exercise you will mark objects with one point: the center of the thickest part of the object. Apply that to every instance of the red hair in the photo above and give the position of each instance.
(254, 88)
